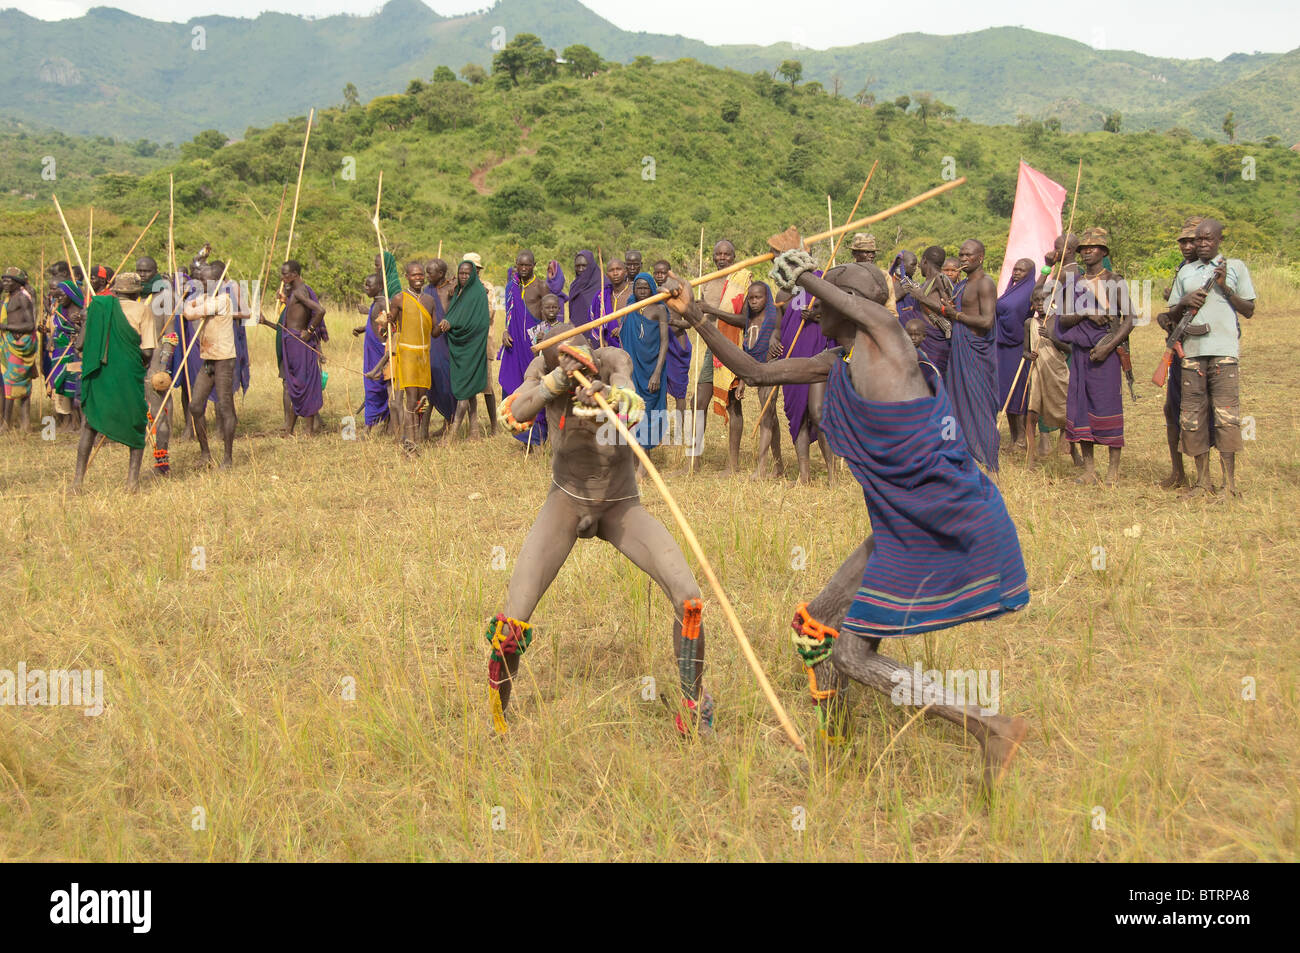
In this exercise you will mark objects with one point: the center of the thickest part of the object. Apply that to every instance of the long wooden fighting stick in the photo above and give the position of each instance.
(1055, 279)
(264, 274)
(746, 649)
(85, 272)
(756, 260)
(127, 256)
(395, 408)
(829, 264)
(176, 280)
(695, 379)
(297, 191)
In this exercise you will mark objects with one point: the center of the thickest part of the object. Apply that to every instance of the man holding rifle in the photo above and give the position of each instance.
(1216, 291)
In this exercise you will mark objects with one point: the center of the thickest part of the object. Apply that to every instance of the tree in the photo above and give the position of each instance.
(350, 96)
(582, 60)
(203, 145)
(525, 58)
(511, 200)
(443, 74)
(837, 83)
(731, 110)
(1111, 122)
(447, 106)
(1052, 123)
(813, 88)
(1000, 197)
(1230, 127)
(865, 97)
(473, 74)
(902, 102)
(643, 62)
(415, 87)
(763, 84)
(571, 185)
(791, 71)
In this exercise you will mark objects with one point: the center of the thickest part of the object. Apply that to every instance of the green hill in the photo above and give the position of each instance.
(168, 81)
(643, 156)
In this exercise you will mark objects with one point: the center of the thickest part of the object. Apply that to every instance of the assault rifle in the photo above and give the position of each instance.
(1174, 343)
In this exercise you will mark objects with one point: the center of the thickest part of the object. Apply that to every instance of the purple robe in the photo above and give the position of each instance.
(372, 352)
(973, 388)
(811, 343)
(1094, 403)
(440, 395)
(1012, 310)
(300, 367)
(607, 335)
(583, 289)
(522, 325)
(677, 369)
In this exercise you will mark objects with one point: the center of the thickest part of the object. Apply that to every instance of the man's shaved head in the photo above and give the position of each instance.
(551, 355)
(862, 279)
(935, 255)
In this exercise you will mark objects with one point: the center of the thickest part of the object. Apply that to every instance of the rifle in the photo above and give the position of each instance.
(945, 283)
(1174, 343)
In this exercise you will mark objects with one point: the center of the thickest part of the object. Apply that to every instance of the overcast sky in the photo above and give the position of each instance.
(1181, 28)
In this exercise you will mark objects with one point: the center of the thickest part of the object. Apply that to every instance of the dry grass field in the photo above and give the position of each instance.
(328, 560)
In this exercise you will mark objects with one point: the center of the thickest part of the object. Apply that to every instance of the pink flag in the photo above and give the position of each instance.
(1035, 220)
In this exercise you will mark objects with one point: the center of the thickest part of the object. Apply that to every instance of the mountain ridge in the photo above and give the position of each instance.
(146, 82)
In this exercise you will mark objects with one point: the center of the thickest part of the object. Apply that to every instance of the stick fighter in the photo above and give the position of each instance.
(593, 494)
(943, 549)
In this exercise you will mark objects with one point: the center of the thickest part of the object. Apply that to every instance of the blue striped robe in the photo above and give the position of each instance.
(946, 551)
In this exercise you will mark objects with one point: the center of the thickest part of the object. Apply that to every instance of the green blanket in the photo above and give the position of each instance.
(112, 374)
(470, 322)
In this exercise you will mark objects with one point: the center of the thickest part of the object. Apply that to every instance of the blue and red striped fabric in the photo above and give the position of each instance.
(946, 551)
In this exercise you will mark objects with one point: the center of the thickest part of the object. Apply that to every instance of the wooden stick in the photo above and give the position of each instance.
(127, 256)
(695, 379)
(1014, 381)
(40, 344)
(85, 272)
(829, 265)
(756, 260)
(439, 255)
(284, 330)
(94, 450)
(746, 649)
(176, 286)
(184, 358)
(264, 275)
(90, 237)
(395, 409)
(302, 162)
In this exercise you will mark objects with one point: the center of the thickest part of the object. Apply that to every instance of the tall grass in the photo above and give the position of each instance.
(330, 560)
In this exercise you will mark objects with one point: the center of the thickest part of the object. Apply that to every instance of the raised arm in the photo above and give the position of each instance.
(791, 370)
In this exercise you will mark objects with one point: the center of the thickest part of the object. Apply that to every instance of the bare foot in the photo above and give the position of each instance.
(227, 463)
(1088, 479)
(1000, 746)
(1196, 492)
(205, 460)
(1173, 481)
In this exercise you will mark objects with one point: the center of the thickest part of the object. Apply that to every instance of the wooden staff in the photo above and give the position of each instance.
(439, 255)
(284, 330)
(830, 264)
(756, 260)
(176, 283)
(90, 237)
(184, 358)
(40, 344)
(127, 256)
(302, 162)
(746, 649)
(85, 272)
(264, 275)
(395, 408)
(695, 377)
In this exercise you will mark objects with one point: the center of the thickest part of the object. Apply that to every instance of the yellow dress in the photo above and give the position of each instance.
(413, 344)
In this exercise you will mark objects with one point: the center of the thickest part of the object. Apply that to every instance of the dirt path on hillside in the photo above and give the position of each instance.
(478, 177)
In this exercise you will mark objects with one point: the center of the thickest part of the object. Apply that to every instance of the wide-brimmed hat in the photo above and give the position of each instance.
(128, 282)
(1098, 237)
(474, 259)
(863, 241)
(1189, 227)
(17, 274)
